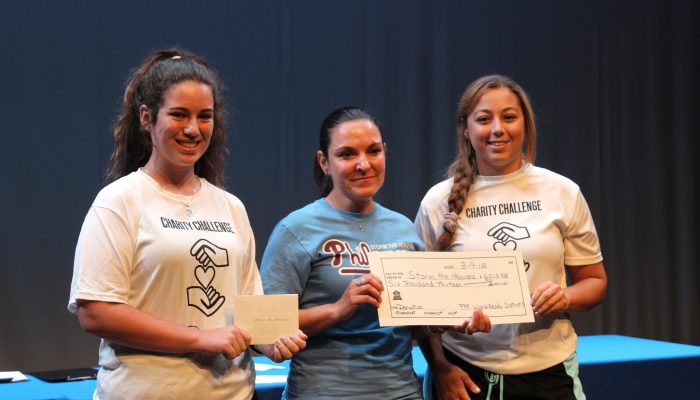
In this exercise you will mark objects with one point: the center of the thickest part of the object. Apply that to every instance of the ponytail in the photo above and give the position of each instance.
(146, 86)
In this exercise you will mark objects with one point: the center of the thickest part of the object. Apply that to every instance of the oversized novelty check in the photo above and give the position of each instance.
(444, 288)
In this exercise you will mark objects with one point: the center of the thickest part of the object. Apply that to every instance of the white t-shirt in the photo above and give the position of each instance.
(139, 247)
(545, 217)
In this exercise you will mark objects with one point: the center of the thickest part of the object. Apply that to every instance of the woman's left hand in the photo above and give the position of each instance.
(549, 298)
(285, 347)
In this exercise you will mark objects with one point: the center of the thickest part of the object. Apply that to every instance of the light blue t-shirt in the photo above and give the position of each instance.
(315, 252)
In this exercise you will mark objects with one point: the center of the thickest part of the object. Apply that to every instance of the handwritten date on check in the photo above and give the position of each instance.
(444, 288)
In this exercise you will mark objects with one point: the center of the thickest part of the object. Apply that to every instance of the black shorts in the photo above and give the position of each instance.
(560, 382)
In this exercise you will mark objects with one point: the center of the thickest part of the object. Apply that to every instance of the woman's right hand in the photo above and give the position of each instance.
(229, 340)
(452, 383)
(123, 324)
(366, 289)
(479, 322)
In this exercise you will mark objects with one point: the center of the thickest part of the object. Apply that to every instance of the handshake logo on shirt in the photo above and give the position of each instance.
(506, 235)
(205, 297)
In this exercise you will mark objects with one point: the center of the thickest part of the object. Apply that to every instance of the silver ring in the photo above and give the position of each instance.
(359, 282)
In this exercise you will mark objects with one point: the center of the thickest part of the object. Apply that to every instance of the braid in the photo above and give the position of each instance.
(464, 169)
(464, 175)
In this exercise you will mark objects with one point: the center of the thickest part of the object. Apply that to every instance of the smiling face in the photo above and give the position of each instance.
(183, 127)
(355, 163)
(496, 130)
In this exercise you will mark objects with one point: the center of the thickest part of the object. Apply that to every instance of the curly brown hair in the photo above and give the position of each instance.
(147, 85)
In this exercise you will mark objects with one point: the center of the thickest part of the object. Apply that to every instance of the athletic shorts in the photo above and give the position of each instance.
(560, 382)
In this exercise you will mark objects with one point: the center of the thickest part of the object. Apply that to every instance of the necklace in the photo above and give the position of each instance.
(360, 225)
(188, 209)
(187, 204)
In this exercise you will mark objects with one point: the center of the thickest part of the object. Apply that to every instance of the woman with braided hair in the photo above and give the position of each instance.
(151, 277)
(496, 199)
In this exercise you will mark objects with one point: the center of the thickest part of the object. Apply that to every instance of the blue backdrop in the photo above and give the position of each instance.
(614, 85)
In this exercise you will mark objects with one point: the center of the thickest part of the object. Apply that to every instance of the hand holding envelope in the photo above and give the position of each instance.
(272, 321)
(230, 341)
(285, 347)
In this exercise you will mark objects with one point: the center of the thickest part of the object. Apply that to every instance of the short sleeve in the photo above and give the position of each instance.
(103, 259)
(424, 229)
(286, 264)
(581, 245)
(430, 215)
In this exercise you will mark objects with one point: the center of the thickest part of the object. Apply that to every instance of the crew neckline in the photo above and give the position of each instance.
(177, 196)
(351, 215)
(503, 178)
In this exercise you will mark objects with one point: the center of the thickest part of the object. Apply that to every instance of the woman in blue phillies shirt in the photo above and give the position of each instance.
(320, 252)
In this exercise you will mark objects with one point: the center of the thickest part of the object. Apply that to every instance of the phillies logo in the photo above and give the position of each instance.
(357, 258)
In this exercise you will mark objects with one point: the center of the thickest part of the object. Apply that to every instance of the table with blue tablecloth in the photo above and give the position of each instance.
(612, 367)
